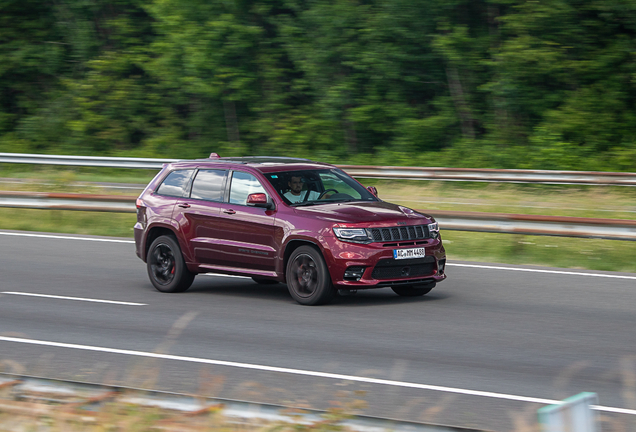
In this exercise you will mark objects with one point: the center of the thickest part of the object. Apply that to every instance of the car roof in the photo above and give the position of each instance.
(263, 164)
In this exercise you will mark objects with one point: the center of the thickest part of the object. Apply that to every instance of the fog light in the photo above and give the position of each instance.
(440, 266)
(353, 273)
(349, 255)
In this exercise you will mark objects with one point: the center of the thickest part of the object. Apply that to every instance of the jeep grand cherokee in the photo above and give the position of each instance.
(303, 223)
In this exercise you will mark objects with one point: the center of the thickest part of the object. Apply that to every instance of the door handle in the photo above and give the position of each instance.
(229, 211)
(184, 205)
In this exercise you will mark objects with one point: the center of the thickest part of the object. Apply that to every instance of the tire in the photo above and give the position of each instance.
(166, 267)
(413, 290)
(263, 281)
(307, 276)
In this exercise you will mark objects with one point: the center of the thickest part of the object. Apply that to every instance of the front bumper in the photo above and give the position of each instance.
(344, 260)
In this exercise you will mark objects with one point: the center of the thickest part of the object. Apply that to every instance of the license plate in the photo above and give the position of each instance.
(409, 253)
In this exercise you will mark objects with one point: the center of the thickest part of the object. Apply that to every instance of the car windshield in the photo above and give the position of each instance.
(313, 187)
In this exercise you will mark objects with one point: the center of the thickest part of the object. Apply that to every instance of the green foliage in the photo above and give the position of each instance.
(482, 83)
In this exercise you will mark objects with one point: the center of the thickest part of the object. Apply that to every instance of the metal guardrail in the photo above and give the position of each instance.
(80, 400)
(361, 171)
(558, 226)
(492, 175)
(84, 161)
(561, 226)
(68, 201)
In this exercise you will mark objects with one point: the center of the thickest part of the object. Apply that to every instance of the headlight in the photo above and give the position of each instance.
(352, 234)
(433, 229)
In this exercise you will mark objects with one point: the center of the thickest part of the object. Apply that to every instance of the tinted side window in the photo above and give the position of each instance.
(175, 184)
(208, 185)
(243, 184)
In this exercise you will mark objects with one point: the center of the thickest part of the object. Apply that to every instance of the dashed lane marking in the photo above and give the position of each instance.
(51, 236)
(73, 298)
(488, 267)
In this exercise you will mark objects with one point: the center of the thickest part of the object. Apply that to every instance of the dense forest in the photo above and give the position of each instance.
(479, 83)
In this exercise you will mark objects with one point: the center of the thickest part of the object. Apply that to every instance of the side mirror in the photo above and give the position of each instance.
(260, 200)
(373, 190)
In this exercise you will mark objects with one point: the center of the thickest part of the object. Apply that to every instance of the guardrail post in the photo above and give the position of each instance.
(572, 415)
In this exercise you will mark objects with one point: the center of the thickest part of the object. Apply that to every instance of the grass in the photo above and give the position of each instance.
(81, 174)
(612, 202)
(576, 253)
(559, 200)
(123, 411)
(127, 417)
(70, 222)
(564, 200)
(593, 254)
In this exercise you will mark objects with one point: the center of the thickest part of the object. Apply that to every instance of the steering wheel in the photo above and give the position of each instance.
(325, 192)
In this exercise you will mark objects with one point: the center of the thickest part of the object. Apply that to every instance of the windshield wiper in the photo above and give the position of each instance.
(346, 200)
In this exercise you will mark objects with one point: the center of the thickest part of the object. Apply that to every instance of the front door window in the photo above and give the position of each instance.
(243, 184)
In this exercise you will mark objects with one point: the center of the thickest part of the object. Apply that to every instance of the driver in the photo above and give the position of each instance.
(296, 193)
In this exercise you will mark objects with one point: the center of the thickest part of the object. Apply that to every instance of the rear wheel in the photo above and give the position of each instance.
(166, 267)
(308, 278)
(413, 290)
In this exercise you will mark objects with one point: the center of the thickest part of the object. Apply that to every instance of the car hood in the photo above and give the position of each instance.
(370, 214)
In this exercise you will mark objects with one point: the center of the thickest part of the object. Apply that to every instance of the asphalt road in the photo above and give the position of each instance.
(469, 354)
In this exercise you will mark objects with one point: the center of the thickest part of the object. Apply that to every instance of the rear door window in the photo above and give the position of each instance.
(209, 185)
(175, 184)
(242, 185)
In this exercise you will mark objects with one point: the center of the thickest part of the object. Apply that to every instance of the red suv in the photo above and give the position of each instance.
(303, 223)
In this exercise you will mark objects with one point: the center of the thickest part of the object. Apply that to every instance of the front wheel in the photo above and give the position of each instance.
(308, 278)
(166, 267)
(413, 290)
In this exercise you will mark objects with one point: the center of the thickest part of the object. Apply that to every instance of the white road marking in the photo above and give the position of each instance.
(448, 264)
(306, 373)
(543, 271)
(66, 237)
(73, 298)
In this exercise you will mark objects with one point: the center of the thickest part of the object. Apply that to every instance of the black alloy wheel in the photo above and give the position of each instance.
(166, 267)
(413, 290)
(307, 277)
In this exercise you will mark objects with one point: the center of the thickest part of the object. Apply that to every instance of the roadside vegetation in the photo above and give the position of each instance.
(124, 411)
(577, 201)
(608, 255)
(118, 416)
(470, 83)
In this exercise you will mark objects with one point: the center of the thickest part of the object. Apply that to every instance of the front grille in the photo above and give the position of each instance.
(399, 233)
(396, 269)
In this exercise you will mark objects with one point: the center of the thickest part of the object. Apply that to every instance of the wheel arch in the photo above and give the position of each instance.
(294, 244)
(154, 233)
